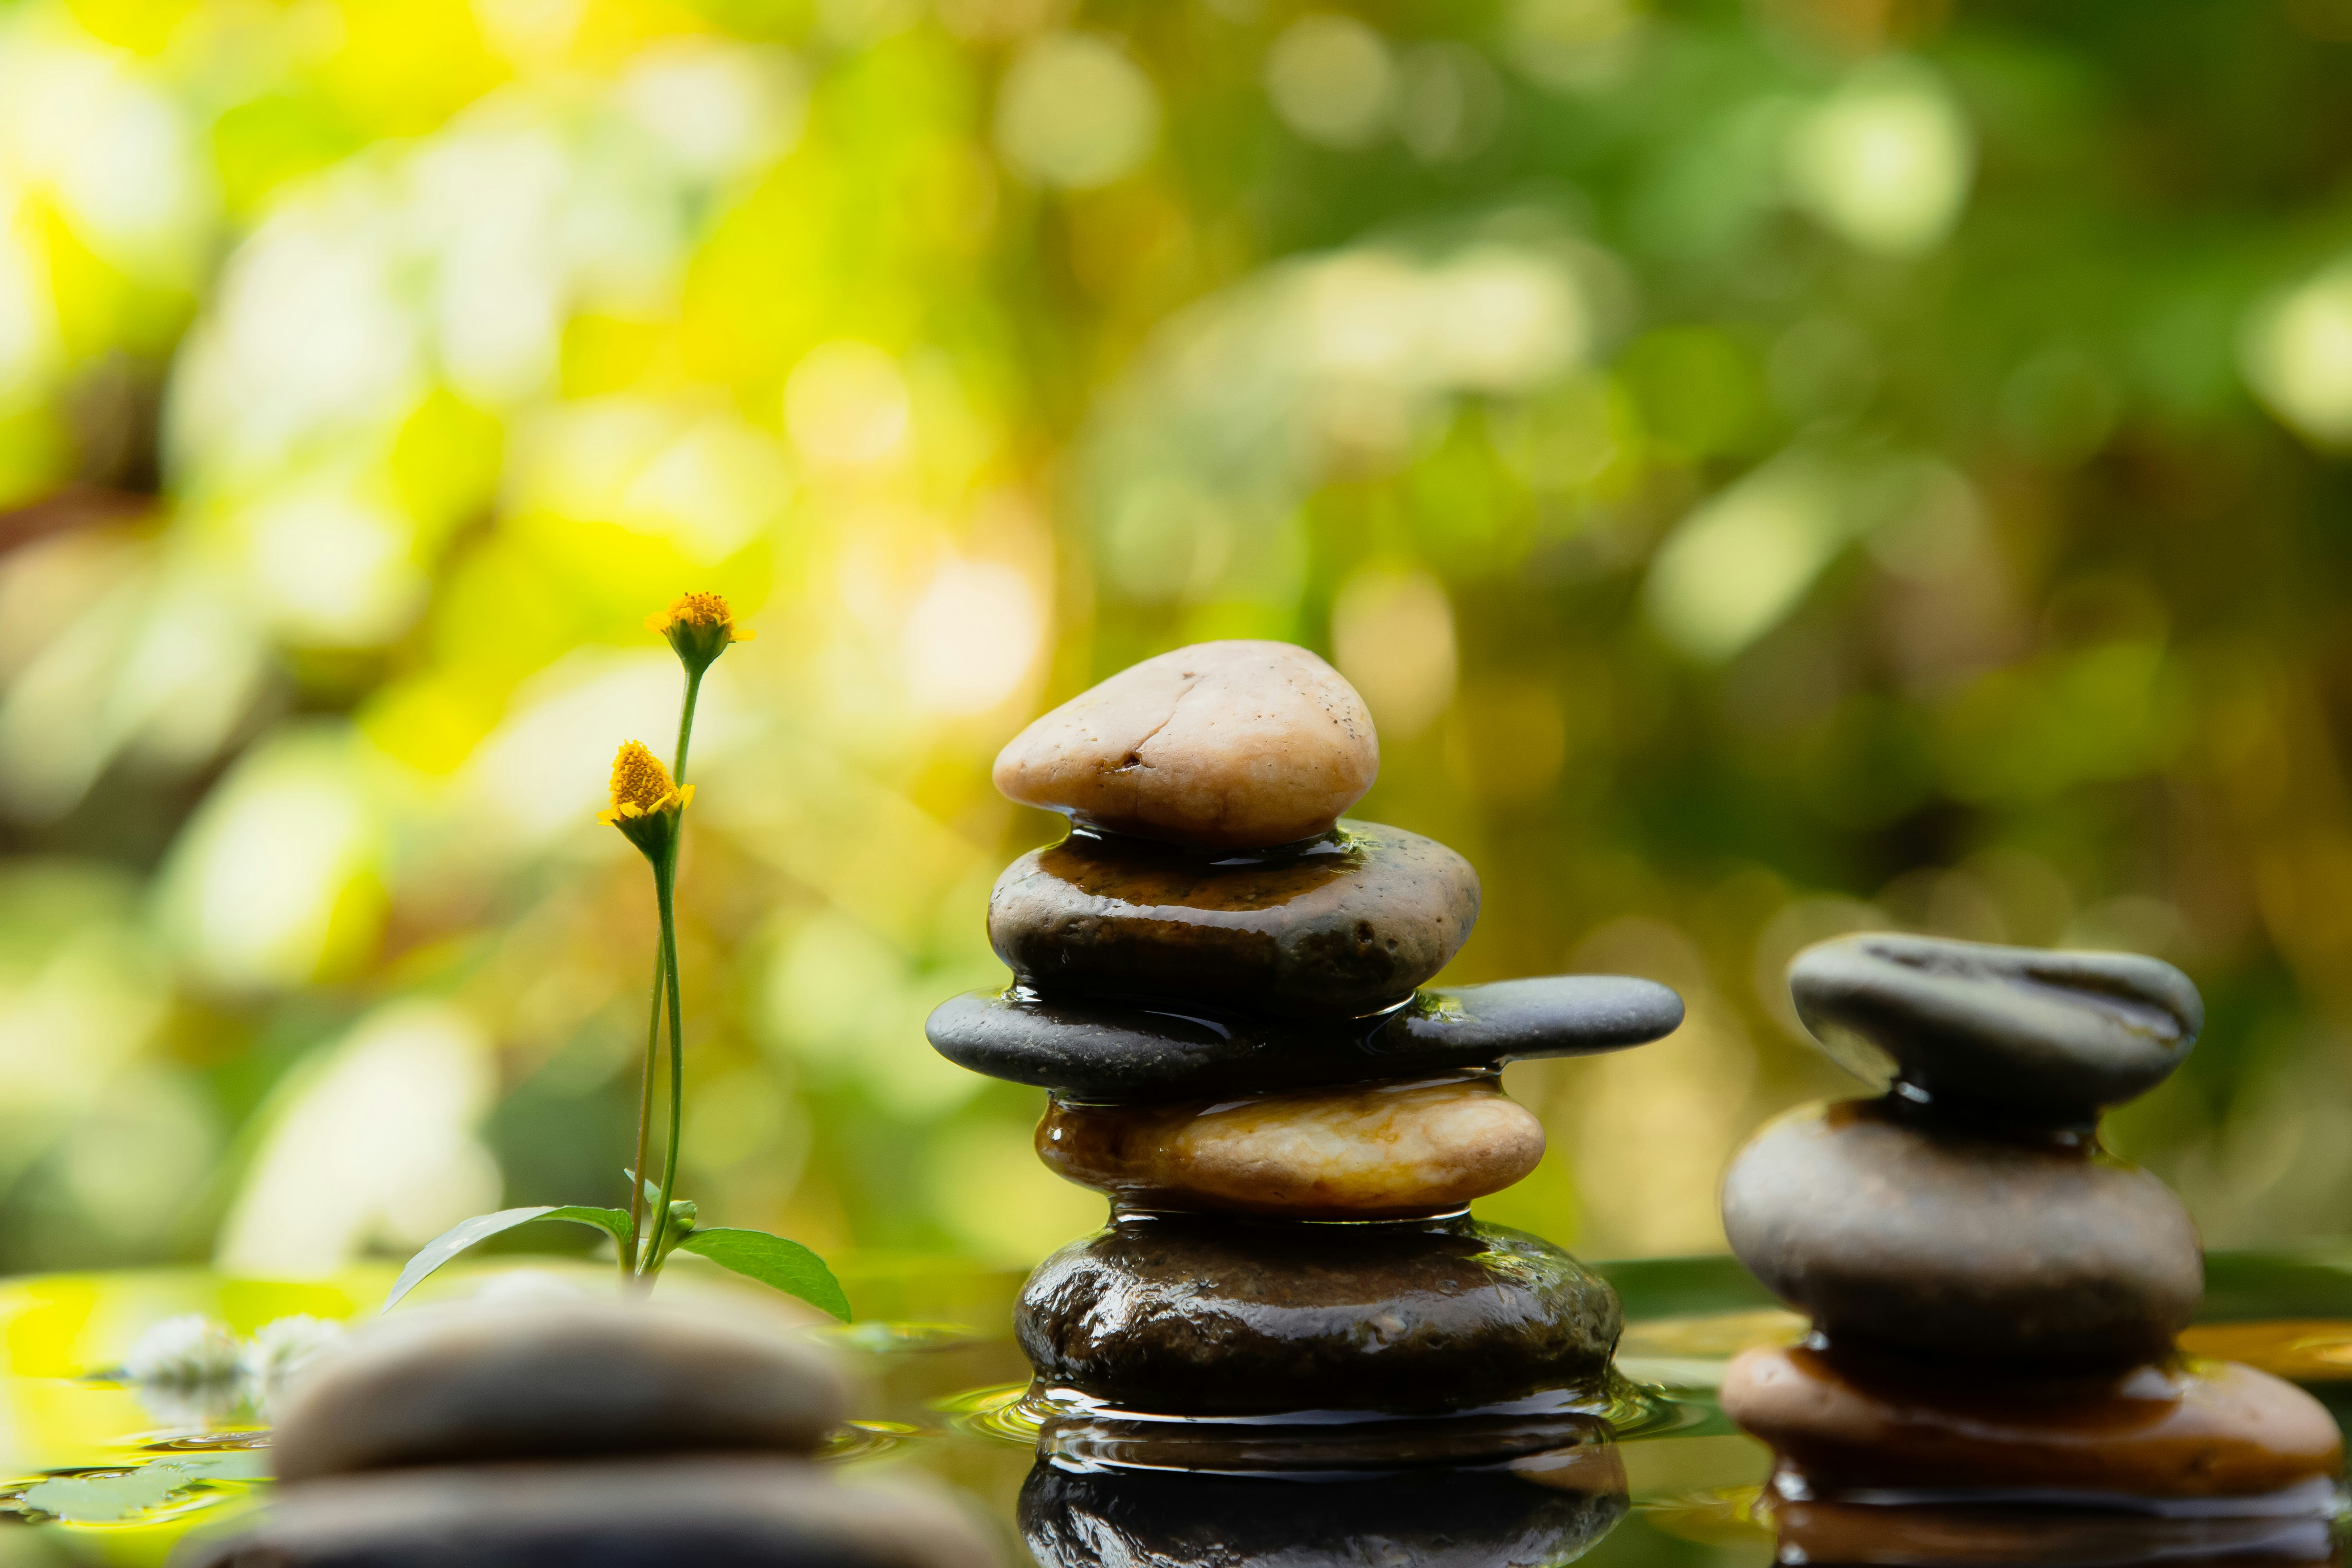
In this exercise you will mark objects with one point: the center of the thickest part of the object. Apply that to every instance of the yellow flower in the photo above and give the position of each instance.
(699, 627)
(646, 802)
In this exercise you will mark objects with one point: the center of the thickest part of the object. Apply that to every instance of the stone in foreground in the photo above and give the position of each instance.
(474, 1384)
(1232, 745)
(1376, 1152)
(709, 1512)
(1193, 1315)
(1840, 1423)
(2017, 1032)
(1347, 924)
(1431, 1518)
(1962, 1247)
(1121, 1053)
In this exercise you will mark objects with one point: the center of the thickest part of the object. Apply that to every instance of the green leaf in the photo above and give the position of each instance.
(482, 1226)
(785, 1266)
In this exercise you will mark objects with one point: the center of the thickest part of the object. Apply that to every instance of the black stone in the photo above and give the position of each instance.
(710, 1512)
(1938, 1244)
(1433, 1518)
(1120, 1053)
(445, 1385)
(1346, 924)
(1190, 1315)
(2000, 1032)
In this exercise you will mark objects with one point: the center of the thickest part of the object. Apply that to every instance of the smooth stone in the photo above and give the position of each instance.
(1348, 924)
(1973, 1535)
(1431, 1518)
(1194, 1315)
(712, 1510)
(476, 1384)
(1378, 1152)
(1234, 745)
(1843, 1424)
(1123, 1054)
(2001, 1032)
(1950, 1245)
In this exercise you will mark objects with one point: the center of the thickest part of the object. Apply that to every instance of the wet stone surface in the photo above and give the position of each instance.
(1348, 924)
(1377, 1151)
(2036, 1255)
(1998, 1033)
(1121, 1053)
(710, 1512)
(1842, 1422)
(478, 1383)
(1438, 1519)
(1201, 1316)
(1238, 744)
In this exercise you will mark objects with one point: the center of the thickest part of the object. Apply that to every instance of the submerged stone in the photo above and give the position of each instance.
(1346, 924)
(1841, 1424)
(1192, 1315)
(1971, 1534)
(2034, 1254)
(476, 1383)
(1372, 1153)
(1121, 1053)
(2005, 1032)
(712, 1512)
(1431, 1518)
(1236, 744)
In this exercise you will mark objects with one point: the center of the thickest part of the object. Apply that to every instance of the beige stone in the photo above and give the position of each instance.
(1227, 744)
(1381, 1150)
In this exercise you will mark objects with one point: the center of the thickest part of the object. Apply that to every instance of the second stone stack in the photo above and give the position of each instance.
(1220, 983)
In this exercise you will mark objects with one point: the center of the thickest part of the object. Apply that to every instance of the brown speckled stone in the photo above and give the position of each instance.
(1840, 1423)
(1236, 745)
(1214, 1316)
(1348, 925)
(1958, 1247)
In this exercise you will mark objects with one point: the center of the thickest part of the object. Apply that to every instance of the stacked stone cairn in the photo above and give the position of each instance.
(1217, 980)
(550, 1434)
(1994, 1298)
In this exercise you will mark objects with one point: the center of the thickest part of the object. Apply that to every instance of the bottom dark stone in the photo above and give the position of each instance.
(1435, 1518)
(708, 1510)
(1195, 1315)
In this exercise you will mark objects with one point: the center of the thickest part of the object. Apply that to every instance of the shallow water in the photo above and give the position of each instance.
(104, 1475)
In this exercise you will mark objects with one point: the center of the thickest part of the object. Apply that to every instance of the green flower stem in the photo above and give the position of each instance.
(686, 721)
(665, 882)
(631, 1252)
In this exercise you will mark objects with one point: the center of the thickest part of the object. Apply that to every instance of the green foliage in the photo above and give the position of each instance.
(482, 1228)
(785, 1266)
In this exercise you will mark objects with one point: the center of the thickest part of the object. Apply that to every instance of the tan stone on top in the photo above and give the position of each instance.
(1227, 744)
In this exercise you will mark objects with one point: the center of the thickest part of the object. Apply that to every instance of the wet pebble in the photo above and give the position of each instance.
(474, 1384)
(1349, 925)
(1214, 1316)
(1364, 1153)
(721, 1512)
(1120, 1053)
(1999, 1032)
(1958, 1247)
(1840, 1424)
(1237, 744)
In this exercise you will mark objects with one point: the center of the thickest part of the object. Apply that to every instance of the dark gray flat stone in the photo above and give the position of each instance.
(1213, 1316)
(1431, 1518)
(1119, 1053)
(712, 1512)
(1345, 925)
(2019, 1031)
(1956, 1248)
(443, 1385)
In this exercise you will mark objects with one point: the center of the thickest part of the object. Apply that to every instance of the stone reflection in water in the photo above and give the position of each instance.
(1525, 1517)
(1995, 1298)
(1215, 976)
(1947, 1536)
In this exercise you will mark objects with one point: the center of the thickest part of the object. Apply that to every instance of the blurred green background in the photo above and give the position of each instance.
(1771, 470)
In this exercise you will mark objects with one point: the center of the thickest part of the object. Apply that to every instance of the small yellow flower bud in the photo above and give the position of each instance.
(646, 802)
(699, 626)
